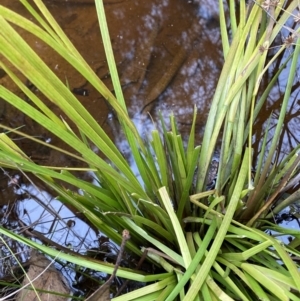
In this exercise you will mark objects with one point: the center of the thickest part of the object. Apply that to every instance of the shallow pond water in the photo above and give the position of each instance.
(169, 57)
(168, 54)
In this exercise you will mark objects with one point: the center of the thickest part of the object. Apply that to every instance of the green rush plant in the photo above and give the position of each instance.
(207, 245)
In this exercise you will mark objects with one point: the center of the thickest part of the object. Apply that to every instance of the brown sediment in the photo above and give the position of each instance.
(88, 2)
(136, 71)
(174, 67)
(44, 277)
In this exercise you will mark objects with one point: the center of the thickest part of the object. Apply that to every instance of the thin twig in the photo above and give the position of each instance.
(139, 265)
(101, 290)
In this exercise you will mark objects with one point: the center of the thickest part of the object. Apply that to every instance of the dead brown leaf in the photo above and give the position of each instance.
(102, 294)
(48, 279)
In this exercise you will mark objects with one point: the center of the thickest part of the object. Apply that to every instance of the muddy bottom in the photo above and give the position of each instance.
(168, 56)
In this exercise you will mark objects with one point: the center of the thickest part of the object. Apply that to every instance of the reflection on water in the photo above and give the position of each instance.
(37, 215)
(169, 57)
(41, 212)
(288, 218)
(168, 54)
(290, 135)
(41, 215)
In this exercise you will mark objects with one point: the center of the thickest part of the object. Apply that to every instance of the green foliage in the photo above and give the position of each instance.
(197, 236)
